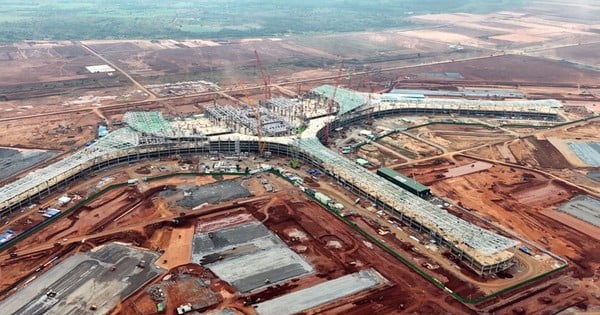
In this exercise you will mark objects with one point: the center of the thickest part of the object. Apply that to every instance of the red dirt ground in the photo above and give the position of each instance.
(321, 227)
(518, 200)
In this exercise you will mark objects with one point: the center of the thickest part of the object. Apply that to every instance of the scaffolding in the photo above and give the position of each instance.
(151, 123)
(389, 101)
(243, 119)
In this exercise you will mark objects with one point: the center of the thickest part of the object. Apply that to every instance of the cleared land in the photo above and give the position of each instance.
(520, 51)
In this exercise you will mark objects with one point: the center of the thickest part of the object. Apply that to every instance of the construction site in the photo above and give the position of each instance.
(436, 187)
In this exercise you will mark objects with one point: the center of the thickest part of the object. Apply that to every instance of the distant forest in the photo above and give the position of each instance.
(161, 19)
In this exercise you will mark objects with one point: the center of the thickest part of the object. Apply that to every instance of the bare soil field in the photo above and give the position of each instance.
(582, 54)
(60, 132)
(409, 147)
(546, 155)
(33, 62)
(560, 11)
(336, 241)
(507, 28)
(429, 171)
(230, 61)
(379, 154)
(183, 284)
(515, 198)
(503, 195)
(76, 101)
(514, 69)
(42, 69)
(334, 249)
(548, 150)
(459, 137)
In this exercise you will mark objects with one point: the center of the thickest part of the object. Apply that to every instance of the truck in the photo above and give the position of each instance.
(324, 199)
(526, 250)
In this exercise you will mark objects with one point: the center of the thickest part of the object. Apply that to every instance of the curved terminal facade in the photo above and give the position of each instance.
(148, 135)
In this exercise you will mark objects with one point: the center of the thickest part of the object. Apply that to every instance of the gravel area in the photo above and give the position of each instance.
(248, 256)
(194, 196)
(321, 293)
(83, 280)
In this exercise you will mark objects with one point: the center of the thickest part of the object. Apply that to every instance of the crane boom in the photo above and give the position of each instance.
(265, 77)
(330, 103)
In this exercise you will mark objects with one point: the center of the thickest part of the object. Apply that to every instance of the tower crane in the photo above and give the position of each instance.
(264, 76)
(325, 139)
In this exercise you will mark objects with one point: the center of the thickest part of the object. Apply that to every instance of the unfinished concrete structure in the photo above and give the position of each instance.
(148, 135)
(243, 119)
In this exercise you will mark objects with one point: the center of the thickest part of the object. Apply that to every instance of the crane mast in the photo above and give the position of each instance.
(264, 76)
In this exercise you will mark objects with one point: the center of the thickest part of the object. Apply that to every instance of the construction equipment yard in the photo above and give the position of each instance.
(426, 177)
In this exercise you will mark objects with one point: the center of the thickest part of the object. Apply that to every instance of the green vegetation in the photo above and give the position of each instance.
(159, 19)
(218, 177)
(294, 163)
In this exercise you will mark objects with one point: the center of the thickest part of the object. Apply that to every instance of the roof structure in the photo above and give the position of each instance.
(416, 186)
(485, 246)
(540, 106)
(469, 92)
(149, 123)
(347, 100)
(118, 139)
